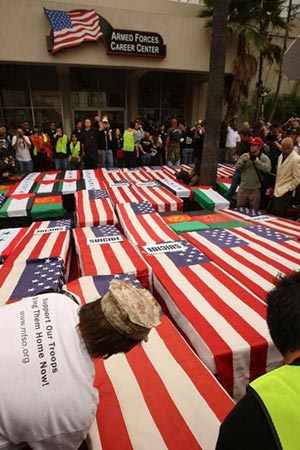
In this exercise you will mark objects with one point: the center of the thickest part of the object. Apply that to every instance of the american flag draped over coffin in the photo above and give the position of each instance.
(27, 278)
(157, 396)
(94, 208)
(104, 251)
(279, 224)
(142, 224)
(256, 265)
(223, 320)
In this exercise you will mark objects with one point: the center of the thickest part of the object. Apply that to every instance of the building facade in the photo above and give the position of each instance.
(87, 80)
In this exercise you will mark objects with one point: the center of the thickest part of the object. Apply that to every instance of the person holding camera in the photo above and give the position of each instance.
(22, 145)
(253, 166)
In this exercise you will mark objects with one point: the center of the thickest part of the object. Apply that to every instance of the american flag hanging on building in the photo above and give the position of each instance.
(70, 29)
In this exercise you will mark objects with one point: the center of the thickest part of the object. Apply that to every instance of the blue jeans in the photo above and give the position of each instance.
(61, 163)
(173, 164)
(146, 160)
(188, 156)
(24, 166)
(235, 182)
(107, 159)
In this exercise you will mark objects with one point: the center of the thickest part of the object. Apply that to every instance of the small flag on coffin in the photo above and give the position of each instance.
(210, 199)
(279, 224)
(17, 206)
(47, 206)
(90, 288)
(222, 319)
(163, 384)
(142, 224)
(253, 266)
(94, 208)
(9, 238)
(39, 275)
(104, 251)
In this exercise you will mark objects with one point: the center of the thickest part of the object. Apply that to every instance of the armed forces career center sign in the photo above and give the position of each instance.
(70, 29)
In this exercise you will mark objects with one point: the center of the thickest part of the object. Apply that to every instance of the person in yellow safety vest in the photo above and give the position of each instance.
(42, 152)
(60, 150)
(75, 152)
(129, 146)
(268, 417)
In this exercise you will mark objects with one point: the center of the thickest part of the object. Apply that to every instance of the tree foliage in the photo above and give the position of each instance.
(254, 23)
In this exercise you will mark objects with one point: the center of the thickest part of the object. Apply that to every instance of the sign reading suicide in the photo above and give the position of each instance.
(70, 29)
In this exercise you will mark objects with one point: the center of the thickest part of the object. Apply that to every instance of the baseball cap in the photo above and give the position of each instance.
(105, 119)
(256, 141)
(130, 311)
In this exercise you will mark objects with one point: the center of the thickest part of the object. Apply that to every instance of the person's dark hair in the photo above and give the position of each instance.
(100, 338)
(283, 313)
(246, 132)
(132, 124)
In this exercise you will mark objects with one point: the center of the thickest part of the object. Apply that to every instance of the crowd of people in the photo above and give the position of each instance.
(267, 160)
(266, 156)
(95, 144)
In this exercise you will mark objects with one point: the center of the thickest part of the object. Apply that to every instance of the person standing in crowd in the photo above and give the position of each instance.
(60, 149)
(287, 178)
(268, 416)
(244, 147)
(90, 144)
(145, 150)
(42, 152)
(27, 129)
(273, 141)
(138, 135)
(157, 146)
(232, 140)
(47, 347)
(117, 148)
(74, 152)
(198, 141)
(222, 142)
(172, 146)
(78, 129)
(105, 144)
(163, 137)
(21, 145)
(253, 167)
(187, 147)
(129, 146)
(7, 161)
(51, 132)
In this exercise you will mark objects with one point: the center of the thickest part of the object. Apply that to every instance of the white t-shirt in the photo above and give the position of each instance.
(232, 138)
(22, 151)
(47, 398)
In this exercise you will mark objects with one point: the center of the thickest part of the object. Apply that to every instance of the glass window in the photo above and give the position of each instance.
(14, 86)
(44, 86)
(43, 117)
(149, 90)
(13, 118)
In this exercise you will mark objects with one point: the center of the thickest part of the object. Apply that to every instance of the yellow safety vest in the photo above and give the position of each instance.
(280, 392)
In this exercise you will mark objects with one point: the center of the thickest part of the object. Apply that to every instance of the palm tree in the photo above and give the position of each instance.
(215, 92)
(254, 22)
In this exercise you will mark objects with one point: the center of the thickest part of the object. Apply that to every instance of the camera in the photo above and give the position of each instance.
(252, 156)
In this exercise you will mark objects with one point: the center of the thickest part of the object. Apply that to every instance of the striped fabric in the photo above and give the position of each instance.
(158, 396)
(276, 223)
(17, 205)
(220, 317)
(9, 238)
(109, 258)
(255, 263)
(225, 170)
(210, 199)
(25, 186)
(92, 211)
(143, 225)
